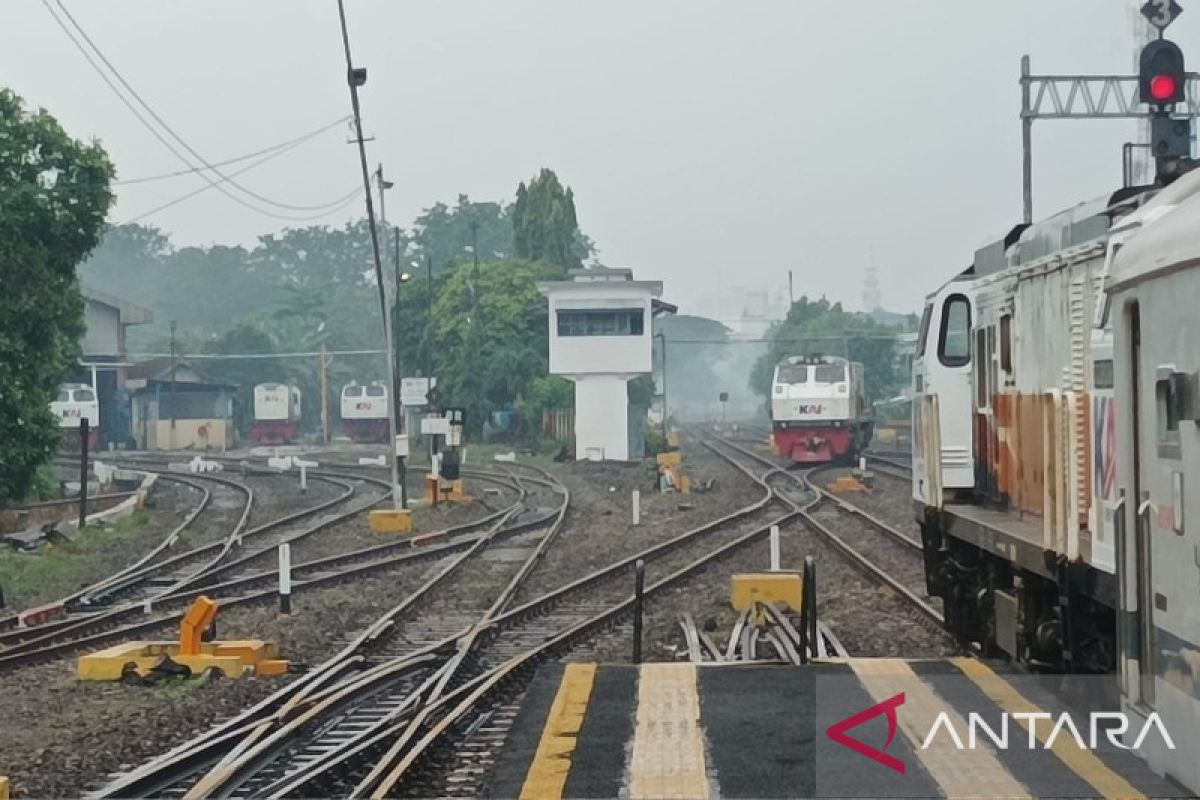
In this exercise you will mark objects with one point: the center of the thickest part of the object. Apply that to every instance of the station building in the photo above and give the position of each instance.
(177, 407)
(104, 362)
(600, 339)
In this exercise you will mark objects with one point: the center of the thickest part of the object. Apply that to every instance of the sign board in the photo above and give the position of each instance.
(724, 397)
(415, 391)
(435, 426)
(1161, 13)
(456, 415)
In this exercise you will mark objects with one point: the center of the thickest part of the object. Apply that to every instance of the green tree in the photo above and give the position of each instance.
(443, 233)
(490, 335)
(545, 227)
(54, 192)
(818, 327)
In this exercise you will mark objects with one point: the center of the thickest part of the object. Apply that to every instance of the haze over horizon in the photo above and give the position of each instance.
(706, 145)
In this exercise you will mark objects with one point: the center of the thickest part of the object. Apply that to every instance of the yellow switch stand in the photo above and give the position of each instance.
(234, 658)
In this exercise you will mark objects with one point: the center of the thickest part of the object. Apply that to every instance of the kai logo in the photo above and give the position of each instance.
(808, 408)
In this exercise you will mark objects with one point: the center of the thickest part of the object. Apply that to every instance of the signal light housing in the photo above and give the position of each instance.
(1162, 78)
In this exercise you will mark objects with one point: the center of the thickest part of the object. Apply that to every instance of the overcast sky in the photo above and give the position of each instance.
(710, 144)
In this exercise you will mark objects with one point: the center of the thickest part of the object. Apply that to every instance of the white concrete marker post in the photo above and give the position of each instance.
(774, 548)
(636, 497)
(303, 479)
(862, 464)
(285, 578)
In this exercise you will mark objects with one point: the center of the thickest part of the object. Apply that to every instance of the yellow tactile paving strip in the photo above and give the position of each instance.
(668, 744)
(552, 762)
(959, 773)
(1083, 763)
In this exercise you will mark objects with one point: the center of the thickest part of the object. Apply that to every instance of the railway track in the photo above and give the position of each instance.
(500, 638)
(451, 701)
(865, 533)
(242, 577)
(890, 466)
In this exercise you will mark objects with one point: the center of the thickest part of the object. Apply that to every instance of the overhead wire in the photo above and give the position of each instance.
(238, 159)
(326, 207)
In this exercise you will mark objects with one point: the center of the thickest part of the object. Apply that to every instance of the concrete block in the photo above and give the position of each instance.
(390, 520)
(766, 587)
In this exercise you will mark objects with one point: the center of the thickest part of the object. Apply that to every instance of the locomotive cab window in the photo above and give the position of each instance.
(954, 339)
(829, 373)
(375, 391)
(1102, 373)
(353, 391)
(1006, 363)
(64, 396)
(793, 374)
(84, 395)
(923, 333)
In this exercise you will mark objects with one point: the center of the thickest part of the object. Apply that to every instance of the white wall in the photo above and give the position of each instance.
(576, 355)
(103, 333)
(601, 417)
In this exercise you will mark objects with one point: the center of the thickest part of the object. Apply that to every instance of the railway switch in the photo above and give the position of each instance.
(234, 658)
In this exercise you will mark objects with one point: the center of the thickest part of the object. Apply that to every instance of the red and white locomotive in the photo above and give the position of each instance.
(365, 409)
(76, 401)
(276, 413)
(819, 409)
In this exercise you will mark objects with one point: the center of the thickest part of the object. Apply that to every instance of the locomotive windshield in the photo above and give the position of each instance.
(84, 395)
(829, 373)
(375, 391)
(793, 373)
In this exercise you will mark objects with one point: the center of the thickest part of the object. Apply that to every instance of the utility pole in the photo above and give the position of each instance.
(171, 444)
(322, 366)
(791, 293)
(355, 77)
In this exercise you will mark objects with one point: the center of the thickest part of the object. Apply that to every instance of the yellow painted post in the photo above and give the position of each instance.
(195, 622)
(3, 787)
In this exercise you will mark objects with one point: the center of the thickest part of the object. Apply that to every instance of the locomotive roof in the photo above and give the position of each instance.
(813, 359)
(1169, 234)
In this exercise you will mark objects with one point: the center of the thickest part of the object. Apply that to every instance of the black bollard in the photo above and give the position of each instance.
(639, 586)
(83, 471)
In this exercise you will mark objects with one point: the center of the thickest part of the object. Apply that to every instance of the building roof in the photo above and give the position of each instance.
(130, 314)
(158, 370)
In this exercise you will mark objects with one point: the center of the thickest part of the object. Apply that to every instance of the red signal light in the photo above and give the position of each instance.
(1162, 87)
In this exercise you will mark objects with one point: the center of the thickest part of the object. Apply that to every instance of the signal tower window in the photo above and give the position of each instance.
(954, 340)
(622, 322)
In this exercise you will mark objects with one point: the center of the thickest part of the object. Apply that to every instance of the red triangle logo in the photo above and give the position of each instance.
(837, 732)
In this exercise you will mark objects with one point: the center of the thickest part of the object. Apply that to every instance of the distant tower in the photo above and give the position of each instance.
(870, 297)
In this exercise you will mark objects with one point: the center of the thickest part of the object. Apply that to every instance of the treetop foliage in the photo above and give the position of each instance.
(545, 227)
(818, 327)
(55, 194)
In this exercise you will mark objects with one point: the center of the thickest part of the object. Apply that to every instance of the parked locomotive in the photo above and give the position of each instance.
(819, 409)
(365, 410)
(74, 402)
(276, 413)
